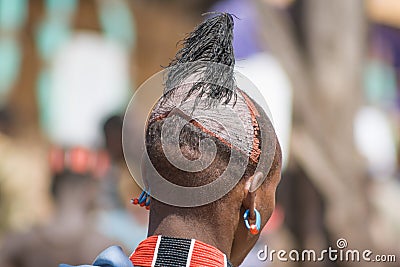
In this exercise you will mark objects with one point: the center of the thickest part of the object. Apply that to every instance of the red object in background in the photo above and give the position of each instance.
(79, 160)
(101, 163)
(56, 158)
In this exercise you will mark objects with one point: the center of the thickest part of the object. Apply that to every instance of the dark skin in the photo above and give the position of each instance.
(221, 224)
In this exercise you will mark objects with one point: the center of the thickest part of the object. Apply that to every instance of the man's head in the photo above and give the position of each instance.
(204, 119)
(253, 190)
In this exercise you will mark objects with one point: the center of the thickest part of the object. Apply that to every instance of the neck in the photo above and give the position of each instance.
(211, 229)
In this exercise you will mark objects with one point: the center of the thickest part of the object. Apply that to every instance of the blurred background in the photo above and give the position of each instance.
(329, 70)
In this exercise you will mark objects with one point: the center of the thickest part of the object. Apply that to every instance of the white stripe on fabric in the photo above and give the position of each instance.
(153, 263)
(189, 258)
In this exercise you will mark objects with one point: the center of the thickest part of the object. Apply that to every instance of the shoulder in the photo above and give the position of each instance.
(110, 257)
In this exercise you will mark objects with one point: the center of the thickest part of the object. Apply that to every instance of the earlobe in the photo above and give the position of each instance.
(249, 203)
(257, 177)
(250, 193)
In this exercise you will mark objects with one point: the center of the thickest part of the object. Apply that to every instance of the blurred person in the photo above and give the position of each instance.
(114, 218)
(110, 197)
(70, 112)
(86, 79)
(69, 235)
(220, 233)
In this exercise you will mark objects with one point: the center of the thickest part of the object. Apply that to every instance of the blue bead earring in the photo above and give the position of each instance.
(254, 228)
(143, 200)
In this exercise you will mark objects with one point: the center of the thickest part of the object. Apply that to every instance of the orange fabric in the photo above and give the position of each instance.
(144, 253)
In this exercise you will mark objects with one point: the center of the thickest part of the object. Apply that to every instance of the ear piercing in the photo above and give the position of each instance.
(143, 200)
(254, 228)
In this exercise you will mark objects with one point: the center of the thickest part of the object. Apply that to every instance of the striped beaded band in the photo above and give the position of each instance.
(165, 251)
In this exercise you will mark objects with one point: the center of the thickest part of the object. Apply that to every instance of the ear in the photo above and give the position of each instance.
(250, 191)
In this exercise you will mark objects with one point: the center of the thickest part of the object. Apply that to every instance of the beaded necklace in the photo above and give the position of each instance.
(157, 251)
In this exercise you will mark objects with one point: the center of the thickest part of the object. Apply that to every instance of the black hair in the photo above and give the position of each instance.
(112, 129)
(210, 42)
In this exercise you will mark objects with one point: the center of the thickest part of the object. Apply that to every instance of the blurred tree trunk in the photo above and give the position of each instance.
(325, 64)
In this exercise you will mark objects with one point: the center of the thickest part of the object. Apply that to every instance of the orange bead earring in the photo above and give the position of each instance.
(253, 228)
